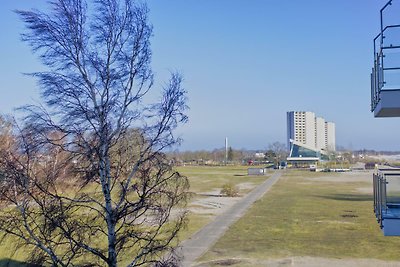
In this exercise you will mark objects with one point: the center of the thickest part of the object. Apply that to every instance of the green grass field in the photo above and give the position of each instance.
(309, 214)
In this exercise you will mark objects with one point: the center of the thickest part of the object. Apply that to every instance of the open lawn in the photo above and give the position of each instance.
(206, 178)
(308, 216)
(205, 204)
(205, 184)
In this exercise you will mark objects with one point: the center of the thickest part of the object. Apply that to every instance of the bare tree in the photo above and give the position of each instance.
(277, 152)
(270, 156)
(230, 154)
(86, 182)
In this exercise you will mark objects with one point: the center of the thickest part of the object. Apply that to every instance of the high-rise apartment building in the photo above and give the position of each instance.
(314, 132)
(320, 133)
(330, 139)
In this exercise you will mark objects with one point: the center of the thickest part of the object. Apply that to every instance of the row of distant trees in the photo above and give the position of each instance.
(275, 153)
(217, 156)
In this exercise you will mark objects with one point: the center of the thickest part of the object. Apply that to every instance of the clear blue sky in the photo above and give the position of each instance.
(245, 64)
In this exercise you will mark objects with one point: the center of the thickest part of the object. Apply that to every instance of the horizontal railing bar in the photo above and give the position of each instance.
(393, 89)
(391, 68)
(391, 47)
(391, 26)
(391, 174)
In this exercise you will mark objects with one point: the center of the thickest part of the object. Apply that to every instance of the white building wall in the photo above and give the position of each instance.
(298, 126)
(320, 142)
(330, 136)
(315, 132)
(301, 127)
(309, 128)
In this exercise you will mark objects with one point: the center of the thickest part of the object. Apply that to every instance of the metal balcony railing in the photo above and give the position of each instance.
(386, 188)
(385, 75)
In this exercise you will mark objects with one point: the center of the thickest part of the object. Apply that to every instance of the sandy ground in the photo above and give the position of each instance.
(213, 203)
(343, 177)
(302, 262)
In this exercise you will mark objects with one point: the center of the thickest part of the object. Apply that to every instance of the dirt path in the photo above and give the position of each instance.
(200, 242)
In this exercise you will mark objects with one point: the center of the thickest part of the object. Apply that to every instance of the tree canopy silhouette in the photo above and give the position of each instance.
(85, 181)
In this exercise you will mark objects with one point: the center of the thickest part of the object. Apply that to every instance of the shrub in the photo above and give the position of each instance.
(230, 190)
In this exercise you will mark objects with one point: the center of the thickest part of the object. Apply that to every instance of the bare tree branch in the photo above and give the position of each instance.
(84, 179)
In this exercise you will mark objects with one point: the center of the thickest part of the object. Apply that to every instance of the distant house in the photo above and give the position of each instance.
(259, 155)
(256, 171)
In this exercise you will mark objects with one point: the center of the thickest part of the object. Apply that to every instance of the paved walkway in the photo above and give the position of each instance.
(200, 242)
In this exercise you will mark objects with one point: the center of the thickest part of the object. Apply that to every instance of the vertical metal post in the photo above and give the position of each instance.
(384, 195)
(374, 190)
(380, 53)
(381, 13)
(226, 150)
(381, 197)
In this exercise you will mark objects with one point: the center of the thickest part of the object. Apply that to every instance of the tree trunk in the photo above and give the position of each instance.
(105, 175)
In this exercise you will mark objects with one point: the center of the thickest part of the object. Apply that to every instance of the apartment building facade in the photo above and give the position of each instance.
(305, 128)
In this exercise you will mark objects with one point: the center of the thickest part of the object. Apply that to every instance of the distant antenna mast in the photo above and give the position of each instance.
(226, 150)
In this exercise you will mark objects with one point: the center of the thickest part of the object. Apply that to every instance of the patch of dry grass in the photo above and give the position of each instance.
(309, 214)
